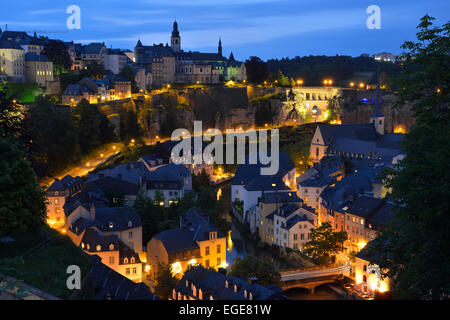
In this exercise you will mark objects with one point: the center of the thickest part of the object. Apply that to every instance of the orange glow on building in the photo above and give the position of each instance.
(400, 129)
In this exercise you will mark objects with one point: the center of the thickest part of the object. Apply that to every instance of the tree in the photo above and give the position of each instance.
(94, 70)
(10, 115)
(257, 70)
(128, 73)
(93, 127)
(251, 266)
(278, 79)
(22, 201)
(150, 215)
(51, 136)
(200, 180)
(413, 250)
(129, 127)
(165, 281)
(325, 243)
(56, 52)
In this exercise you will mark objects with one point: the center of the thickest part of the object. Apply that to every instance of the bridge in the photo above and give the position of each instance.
(312, 277)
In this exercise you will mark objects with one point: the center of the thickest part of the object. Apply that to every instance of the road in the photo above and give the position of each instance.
(344, 267)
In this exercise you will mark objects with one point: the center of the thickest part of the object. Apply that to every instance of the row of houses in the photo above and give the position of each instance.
(169, 64)
(111, 87)
(21, 60)
(345, 187)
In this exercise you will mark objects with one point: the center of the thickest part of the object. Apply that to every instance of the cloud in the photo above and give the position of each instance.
(46, 11)
(263, 29)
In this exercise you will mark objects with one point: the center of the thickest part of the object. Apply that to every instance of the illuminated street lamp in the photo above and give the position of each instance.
(300, 82)
(352, 84)
(361, 85)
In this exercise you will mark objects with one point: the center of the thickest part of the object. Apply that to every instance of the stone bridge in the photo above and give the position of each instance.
(312, 277)
(311, 283)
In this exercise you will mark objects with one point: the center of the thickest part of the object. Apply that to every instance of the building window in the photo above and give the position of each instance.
(127, 271)
(206, 251)
(111, 247)
(133, 260)
(134, 270)
(99, 248)
(111, 260)
(295, 236)
(207, 263)
(218, 248)
(130, 234)
(218, 261)
(125, 260)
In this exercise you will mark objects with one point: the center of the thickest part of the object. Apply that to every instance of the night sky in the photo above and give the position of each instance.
(266, 28)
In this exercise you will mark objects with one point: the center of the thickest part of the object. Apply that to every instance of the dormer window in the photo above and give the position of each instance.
(82, 245)
(111, 225)
(88, 246)
(130, 224)
(132, 260)
(111, 246)
(125, 260)
(213, 235)
(98, 247)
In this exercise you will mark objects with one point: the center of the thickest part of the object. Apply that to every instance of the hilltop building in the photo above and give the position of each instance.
(171, 64)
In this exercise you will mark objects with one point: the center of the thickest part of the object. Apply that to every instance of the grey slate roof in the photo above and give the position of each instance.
(32, 56)
(266, 183)
(109, 284)
(118, 216)
(64, 184)
(247, 172)
(177, 240)
(280, 197)
(212, 283)
(9, 44)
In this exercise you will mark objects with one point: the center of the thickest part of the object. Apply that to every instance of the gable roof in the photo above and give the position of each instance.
(117, 217)
(109, 284)
(212, 283)
(177, 240)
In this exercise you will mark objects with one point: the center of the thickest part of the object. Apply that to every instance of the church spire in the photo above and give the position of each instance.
(219, 51)
(175, 39)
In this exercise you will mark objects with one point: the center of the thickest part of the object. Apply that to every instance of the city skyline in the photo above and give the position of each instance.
(266, 28)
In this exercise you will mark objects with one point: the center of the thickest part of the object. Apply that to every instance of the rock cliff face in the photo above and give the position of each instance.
(247, 107)
(357, 107)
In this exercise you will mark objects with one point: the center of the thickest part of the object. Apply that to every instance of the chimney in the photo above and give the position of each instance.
(92, 212)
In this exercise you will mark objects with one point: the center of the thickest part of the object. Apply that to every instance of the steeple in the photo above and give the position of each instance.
(377, 118)
(231, 58)
(175, 39)
(139, 43)
(219, 51)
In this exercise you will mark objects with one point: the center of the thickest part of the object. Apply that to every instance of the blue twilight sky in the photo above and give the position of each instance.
(266, 28)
